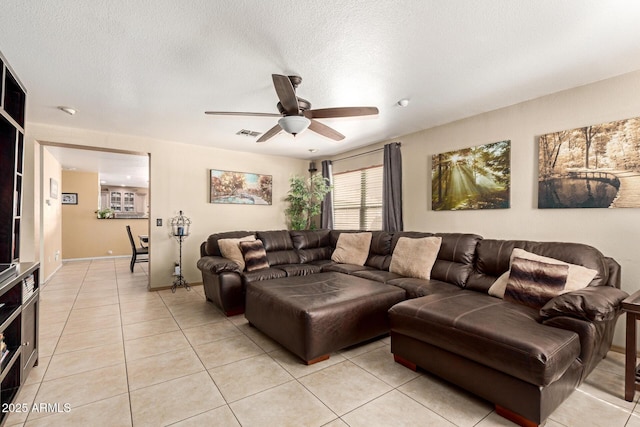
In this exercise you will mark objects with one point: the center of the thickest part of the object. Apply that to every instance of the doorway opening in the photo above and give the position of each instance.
(89, 195)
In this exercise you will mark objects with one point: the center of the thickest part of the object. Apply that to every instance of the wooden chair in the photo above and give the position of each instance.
(135, 251)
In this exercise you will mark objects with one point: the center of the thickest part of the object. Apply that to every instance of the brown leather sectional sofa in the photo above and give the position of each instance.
(526, 361)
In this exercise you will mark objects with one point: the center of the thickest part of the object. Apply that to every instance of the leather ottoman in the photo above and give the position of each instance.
(312, 316)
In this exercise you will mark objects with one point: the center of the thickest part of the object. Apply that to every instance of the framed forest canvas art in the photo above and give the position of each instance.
(472, 178)
(595, 166)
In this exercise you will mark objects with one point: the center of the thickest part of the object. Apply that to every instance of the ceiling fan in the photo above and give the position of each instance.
(296, 113)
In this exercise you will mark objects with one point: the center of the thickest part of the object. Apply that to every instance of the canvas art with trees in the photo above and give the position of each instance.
(472, 178)
(595, 166)
(240, 188)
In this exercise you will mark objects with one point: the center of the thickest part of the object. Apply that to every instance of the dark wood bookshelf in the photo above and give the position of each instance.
(19, 282)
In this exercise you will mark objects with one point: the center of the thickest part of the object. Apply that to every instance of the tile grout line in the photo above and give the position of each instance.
(56, 345)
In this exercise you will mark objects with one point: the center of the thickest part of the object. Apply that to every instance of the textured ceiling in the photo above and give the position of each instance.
(151, 68)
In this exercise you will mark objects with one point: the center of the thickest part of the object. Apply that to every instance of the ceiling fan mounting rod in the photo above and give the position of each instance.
(303, 105)
(295, 81)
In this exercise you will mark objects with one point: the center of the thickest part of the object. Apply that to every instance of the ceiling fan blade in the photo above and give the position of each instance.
(240, 113)
(327, 113)
(325, 130)
(270, 133)
(286, 93)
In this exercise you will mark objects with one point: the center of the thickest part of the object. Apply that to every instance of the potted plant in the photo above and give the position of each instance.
(104, 213)
(305, 197)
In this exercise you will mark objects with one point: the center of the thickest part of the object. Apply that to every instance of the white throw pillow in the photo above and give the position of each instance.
(415, 257)
(578, 276)
(230, 249)
(352, 248)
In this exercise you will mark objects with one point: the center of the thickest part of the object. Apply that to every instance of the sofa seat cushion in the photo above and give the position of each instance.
(377, 275)
(498, 334)
(322, 263)
(263, 274)
(419, 287)
(300, 269)
(346, 268)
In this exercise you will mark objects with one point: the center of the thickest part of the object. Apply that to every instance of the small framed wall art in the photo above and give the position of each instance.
(69, 198)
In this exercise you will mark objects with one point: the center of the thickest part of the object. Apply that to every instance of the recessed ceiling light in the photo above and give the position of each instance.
(403, 102)
(70, 111)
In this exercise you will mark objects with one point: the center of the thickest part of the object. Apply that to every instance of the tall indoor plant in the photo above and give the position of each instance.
(305, 197)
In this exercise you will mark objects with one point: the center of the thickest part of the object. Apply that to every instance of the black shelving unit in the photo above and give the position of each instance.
(12, 113)
(19, 282)
(19, 310)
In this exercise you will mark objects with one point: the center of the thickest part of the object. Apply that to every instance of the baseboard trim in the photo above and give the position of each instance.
(96, 258)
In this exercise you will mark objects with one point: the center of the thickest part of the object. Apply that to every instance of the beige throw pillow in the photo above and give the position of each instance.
(578, 277)
(415, 257)
(230, 249)
(352, 248)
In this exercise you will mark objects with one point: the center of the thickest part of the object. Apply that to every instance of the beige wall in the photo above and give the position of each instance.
(183, 185)
(51, 216)
(83, 234)
(179, 181)
(614, 231)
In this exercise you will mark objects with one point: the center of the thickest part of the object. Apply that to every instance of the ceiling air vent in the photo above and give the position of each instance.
(246, 132)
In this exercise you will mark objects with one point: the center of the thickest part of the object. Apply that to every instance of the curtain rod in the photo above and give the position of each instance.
(363, 154)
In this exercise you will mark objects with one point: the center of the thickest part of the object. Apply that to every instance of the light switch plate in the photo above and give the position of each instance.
(158, 222)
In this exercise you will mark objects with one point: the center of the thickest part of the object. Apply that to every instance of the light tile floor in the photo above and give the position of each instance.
(120, 355)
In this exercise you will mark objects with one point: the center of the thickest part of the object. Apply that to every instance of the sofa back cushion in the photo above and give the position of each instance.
(379, 250)
(310, 239)
(455, 259)
(312, 245)
(492, 259)
(211, 245)
(275, 240)
(279, 247)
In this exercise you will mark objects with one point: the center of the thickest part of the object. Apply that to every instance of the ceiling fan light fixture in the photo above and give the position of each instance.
(294, 124)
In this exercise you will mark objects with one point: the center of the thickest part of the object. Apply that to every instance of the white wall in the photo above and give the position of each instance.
(179, 181)
(51, 217)
(615, 232)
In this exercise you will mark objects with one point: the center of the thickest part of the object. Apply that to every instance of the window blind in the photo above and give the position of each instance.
(357, 199)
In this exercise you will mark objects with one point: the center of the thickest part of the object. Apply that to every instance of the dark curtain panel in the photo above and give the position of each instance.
(326, 218)
(392, 188)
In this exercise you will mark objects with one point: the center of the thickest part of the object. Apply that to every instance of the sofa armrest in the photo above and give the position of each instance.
(594, 304)
(217, 265)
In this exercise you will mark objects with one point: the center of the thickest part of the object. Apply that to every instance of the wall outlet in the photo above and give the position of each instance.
(110, 252)
(158, 222)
